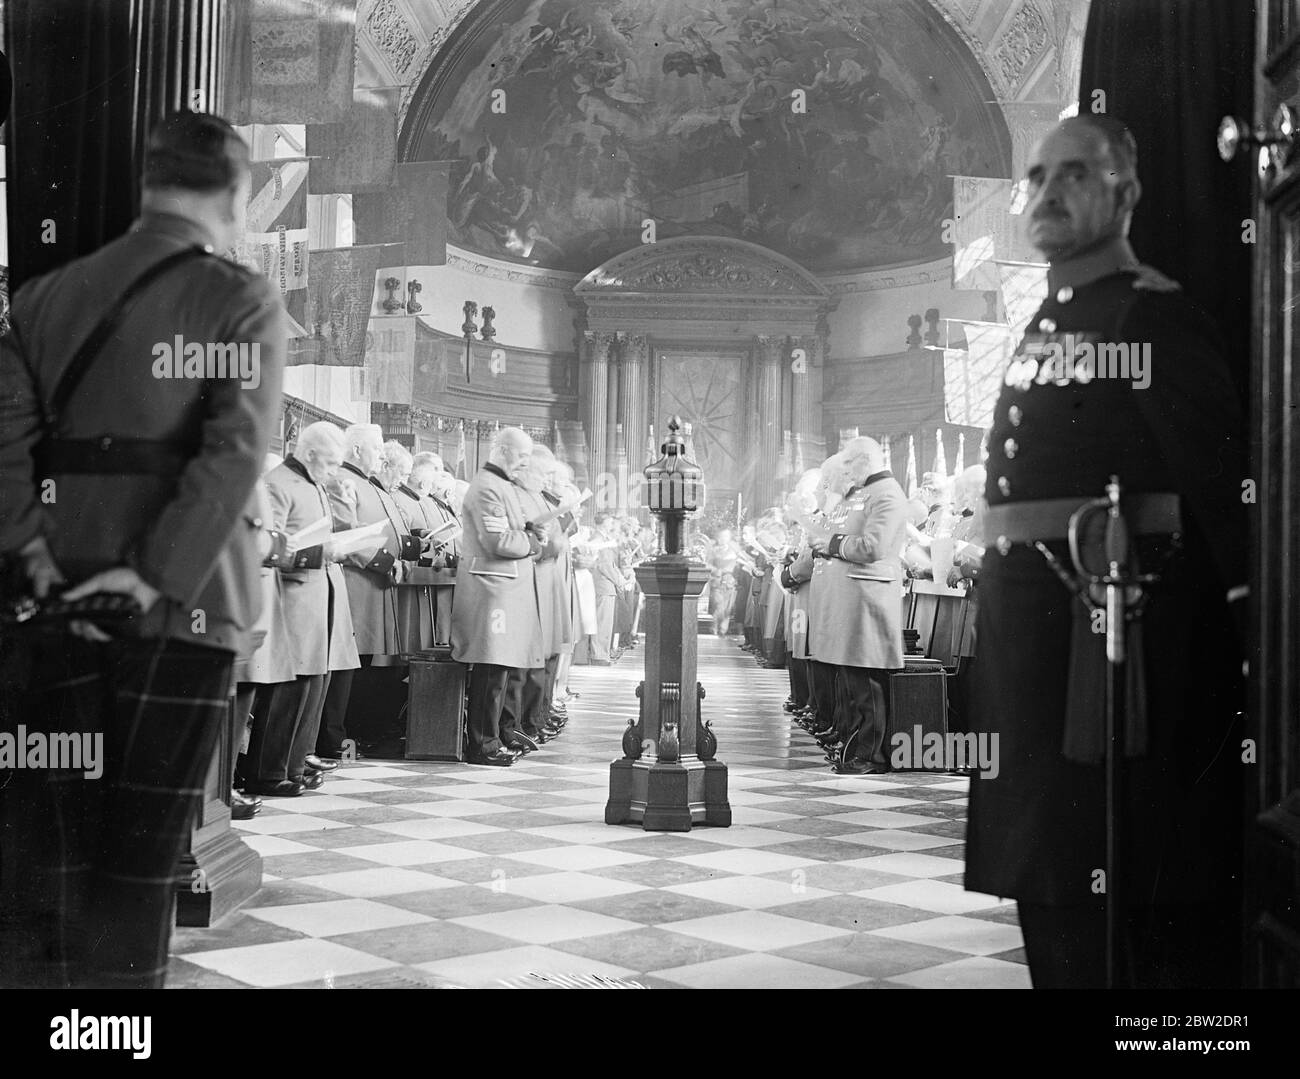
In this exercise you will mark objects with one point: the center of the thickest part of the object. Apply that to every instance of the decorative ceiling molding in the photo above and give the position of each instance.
(438, 34)
(387, 24)
(1021, 46)
(691, 265)
(929, 273)
(495, 270)
(960, 24)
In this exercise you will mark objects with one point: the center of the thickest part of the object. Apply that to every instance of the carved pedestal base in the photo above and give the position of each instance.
(668, 779)
(220, 871)
(668, 797)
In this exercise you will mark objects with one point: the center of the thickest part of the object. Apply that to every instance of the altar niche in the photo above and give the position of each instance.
(728, 334)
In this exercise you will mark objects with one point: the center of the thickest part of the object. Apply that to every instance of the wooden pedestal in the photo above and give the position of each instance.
(220, 871)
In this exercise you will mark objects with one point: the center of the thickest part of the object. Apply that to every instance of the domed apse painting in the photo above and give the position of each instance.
(827, 130)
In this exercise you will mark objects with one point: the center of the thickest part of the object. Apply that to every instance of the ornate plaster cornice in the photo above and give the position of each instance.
(938, 271)
(695, 265)
(496, 270)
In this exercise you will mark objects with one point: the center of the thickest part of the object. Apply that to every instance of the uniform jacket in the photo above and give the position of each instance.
(440, 570)
(495, 618)
(315, 597)
(272, 657)
(369, 575)
(414, 598)
(1037, 829)
(797, 575)
(855, 608)
(184, 532)
(552, 578)
(605, 573)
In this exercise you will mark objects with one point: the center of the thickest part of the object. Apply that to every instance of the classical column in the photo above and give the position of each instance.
(805, 423)
(613, 415)
(594, 398)
(631, 401)
(771, 351)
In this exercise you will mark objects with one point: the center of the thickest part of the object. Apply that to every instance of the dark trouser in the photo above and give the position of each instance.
(865, 693)
(442, 601)
(524, 690)
(89, 864)
(798, 682)
(821, 681)
(543, 714)
(1185, 946)
(487, 687)
(277, 709)
(334, 713)
(239, 723)
(532, 692)
(308, 729)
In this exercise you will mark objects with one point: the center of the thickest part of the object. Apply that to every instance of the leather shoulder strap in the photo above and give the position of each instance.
(99, 336)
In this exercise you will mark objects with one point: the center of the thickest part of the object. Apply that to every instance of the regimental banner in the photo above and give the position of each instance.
(972, 376)
(390, 358)
(339, 296)
(276, 240)
(413, 211)
(359, 151)
(293, 62)
(985, 230)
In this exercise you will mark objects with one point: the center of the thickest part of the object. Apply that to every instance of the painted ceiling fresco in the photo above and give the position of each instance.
(616, 111)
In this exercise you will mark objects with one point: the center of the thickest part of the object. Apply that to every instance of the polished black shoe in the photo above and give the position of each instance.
(500, 758)
(545, 735)
(520, 741)
(320, 764)
(860, 768)
(788, 705)
(284, 788)
(311, 781)
(243, 807)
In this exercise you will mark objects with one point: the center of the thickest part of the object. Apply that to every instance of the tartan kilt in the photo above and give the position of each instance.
(88, 862)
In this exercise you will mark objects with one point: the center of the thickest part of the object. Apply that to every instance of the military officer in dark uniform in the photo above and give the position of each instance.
(1111, 380)
(150, 463)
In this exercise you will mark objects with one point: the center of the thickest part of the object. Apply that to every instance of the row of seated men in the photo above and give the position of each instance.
(365, 546)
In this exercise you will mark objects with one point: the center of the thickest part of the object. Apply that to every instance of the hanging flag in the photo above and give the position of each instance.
(359, 153)
(390, 357)
(412, 211)
(339, 298)
(276, 240)
(972, 376)
(1024, 288)
(910, 481)
(292, 61)
(988, 227)
(979, 205)
(461, 454)
(940, 454)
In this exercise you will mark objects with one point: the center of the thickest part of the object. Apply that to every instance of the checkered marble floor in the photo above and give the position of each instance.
(421, 875)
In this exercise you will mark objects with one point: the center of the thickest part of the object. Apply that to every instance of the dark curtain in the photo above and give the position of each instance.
(68, 138)
(90, 78)
(1171, 69)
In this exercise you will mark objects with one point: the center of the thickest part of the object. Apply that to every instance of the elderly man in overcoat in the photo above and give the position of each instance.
(357, 497)
(495, 623)
(315, 597)
(856, 623)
